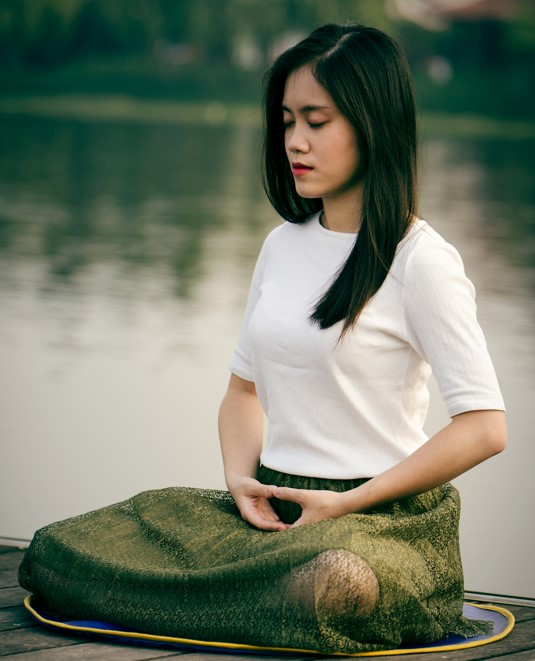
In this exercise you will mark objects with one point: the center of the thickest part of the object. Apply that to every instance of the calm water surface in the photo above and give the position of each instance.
(125, 258)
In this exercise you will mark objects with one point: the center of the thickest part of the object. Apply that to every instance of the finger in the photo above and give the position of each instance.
(301, 521)
(267, 511)
(259, 489)
(264, 524)
(268, 490)
(287, 493)
(269, 516)
(275, 526)
(254, 514)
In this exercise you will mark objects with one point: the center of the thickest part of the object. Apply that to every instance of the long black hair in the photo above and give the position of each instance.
(367, 76)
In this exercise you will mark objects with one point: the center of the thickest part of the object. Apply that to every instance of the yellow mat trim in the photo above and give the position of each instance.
(255, 648)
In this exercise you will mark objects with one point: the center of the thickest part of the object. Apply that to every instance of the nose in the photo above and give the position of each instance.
(296, 139)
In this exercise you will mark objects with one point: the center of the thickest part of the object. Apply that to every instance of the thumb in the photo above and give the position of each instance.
(287, 493)
(266, 490)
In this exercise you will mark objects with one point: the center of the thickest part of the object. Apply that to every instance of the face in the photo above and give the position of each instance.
(320, 143)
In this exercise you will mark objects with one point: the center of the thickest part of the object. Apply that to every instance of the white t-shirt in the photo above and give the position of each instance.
(355, 408)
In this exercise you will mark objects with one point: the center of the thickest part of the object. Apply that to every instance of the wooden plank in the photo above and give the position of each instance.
(12, 597)
(9, 549)
(95, 652)
(521, 613)
(521, 656)
(9, 568)
(15, 618)
(34, 638)
(520, 640)
(8, 556)
(211, 656)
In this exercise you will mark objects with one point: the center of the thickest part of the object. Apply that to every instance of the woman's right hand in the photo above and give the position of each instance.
(241, 429)
(252, 499)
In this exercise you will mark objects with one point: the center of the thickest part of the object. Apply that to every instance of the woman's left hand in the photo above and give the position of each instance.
(317, 505)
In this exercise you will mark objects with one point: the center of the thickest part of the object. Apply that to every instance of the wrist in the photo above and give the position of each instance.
(356, 500)
(235, 481)
(231, 482)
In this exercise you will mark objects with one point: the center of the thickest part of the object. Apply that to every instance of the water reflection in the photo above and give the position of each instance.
(480, 195)
(125, 257)
(139, 197)
(143, 197)
(499, 177)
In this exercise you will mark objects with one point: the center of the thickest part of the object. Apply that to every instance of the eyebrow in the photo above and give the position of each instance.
(306, 109)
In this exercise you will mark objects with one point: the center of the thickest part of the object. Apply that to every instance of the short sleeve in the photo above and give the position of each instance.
(242, 363)
(439, 311)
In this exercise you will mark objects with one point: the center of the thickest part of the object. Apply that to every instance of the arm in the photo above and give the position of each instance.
(241, 430)
(469, 439)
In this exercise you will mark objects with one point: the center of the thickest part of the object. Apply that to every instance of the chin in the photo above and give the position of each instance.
(308, 194)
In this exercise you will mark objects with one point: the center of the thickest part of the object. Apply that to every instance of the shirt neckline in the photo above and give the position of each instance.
(342, 236)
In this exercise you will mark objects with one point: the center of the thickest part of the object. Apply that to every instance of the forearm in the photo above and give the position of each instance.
(241, 430)
(468, 440)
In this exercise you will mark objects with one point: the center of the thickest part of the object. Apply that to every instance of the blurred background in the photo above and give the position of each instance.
(132, 212)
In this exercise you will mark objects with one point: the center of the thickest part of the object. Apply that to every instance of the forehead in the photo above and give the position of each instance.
(302, 90)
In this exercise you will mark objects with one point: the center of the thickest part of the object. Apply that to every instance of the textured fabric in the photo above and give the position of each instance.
(182, 562)
(356, 408)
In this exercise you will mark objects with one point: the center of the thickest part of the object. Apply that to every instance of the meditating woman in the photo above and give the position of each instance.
(339, 531)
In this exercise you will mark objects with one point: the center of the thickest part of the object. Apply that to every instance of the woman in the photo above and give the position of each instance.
(353, 302)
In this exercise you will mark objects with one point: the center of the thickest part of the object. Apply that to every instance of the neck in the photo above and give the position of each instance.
(343, 213)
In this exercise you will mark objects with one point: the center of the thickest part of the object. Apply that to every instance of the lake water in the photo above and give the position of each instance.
(125, 257)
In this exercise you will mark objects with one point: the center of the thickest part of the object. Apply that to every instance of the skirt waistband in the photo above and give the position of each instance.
(289, 512)
(270, 476)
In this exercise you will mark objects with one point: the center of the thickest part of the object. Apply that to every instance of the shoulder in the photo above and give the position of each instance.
(287, 232)
(425, 253)
(430, 273)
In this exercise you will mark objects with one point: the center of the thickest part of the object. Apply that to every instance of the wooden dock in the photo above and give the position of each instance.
(22, 639)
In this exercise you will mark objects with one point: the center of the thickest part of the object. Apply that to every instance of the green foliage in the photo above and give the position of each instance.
(205, 49)
(48, 31)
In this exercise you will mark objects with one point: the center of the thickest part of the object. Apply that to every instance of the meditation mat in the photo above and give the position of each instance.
(502, 621)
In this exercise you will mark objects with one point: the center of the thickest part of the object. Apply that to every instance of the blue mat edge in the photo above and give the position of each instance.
(503, 621)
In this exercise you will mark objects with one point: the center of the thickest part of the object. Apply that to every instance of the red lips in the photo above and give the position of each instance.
(300, 168)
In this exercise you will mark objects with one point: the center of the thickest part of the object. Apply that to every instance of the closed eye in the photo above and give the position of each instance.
(313, 125)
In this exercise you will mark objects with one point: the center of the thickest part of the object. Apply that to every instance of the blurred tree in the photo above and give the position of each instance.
(216, 48)
(82, 27)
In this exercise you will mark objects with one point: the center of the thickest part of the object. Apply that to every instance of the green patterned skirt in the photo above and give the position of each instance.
(181, 562)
